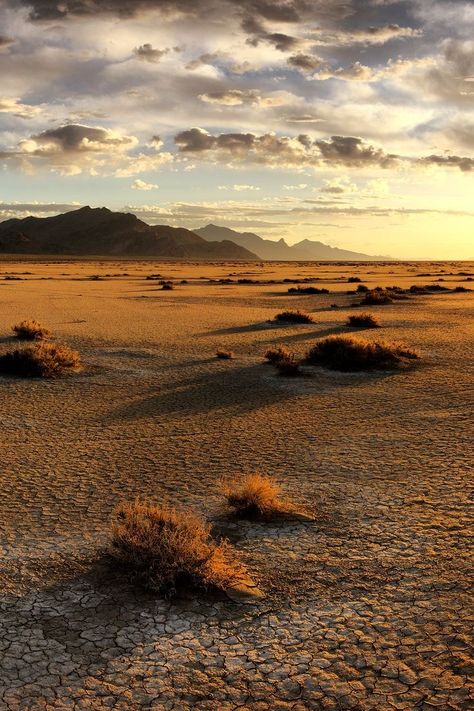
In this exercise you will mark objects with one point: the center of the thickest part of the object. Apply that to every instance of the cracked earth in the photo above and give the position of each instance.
(368, 605)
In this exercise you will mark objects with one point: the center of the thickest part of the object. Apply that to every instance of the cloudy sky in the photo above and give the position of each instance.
(348, 121)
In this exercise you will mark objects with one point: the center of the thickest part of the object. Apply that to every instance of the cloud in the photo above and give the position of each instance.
(338, 186)
(147, 53)
(141, 185)
(465, 164)
(5, 41)
(300, 186)
(76, 138)
(239, 97)
(238, 188)
(20, 209)
(9, 105)
(307, 63)
(365, 36)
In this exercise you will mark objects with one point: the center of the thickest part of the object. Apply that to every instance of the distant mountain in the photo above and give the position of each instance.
(102, 232)
(268, 249)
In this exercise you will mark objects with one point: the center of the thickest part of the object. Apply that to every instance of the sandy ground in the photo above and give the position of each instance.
(369, 606)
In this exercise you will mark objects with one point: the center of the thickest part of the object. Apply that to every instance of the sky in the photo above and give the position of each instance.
(345, 121)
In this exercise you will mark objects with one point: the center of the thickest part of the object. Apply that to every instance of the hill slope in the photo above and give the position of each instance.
(268, 249)
(99, 231)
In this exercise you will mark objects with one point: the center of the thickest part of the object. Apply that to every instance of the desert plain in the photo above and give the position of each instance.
(366, 602)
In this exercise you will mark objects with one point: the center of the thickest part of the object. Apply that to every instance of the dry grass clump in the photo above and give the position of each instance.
(377, 297)
(307, 290)
(225, 355)
(294, 317)
(164, 549)
(363, 321)
(167, 287)
(349, 354)
(30, 330)
(43, 360)
(255, 496)
(288, 367)
(354, 280)
(276, 353)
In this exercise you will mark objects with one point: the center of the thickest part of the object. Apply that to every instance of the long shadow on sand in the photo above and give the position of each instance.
(233, 391)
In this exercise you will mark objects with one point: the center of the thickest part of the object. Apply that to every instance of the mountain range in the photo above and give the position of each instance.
(271, 250)
(99, 231)
(88, 231)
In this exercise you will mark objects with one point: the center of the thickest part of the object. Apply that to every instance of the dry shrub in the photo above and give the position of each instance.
(167, 287)
(164, 549)
(30, 330)
(255, 496)
(224, 355)
(43, 360)
(354, 280)
(362, 289)
(294, 317)
(377, 297)
(307, 290)
(349, 354)
(273, 355)
(363, 321)
(288, 367)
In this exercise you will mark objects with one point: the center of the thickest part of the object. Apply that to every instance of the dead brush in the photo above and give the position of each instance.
(350, 354)
(30, 330)
(277, 353)
(376, 297)
(288, 367)
(225, 355)
(164, 549)
(255, 496)
(42, 360)
(294, 317)
(363, 321)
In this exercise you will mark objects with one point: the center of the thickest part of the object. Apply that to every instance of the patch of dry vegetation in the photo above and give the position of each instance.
(255, 496)
(224, 355)
(164, 549)
(349, 354)
(276, 353)
(363, 321)
(42, 360)
(294, 317)
(288, 367)
(30, 330)
(377, 297)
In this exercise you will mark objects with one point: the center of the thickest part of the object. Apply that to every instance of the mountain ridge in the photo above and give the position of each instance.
(305, 250)
(99, 231)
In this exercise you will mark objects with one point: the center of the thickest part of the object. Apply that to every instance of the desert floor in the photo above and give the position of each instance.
(367, 606)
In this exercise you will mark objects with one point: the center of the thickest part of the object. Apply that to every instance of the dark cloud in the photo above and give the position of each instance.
(305, 62)
(464, 163)
(147, 53)
(79, 138)
(5, 41)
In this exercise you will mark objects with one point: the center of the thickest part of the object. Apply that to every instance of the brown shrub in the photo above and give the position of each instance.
(307, 290)
(167, 287)
(376, 297)
(43, 360)
(294, 317)
(255, 496)
(224, 355)
(363, 321)
(30, 330)
(288, 367)
(164, 549)
(349, 354)
(273, 355)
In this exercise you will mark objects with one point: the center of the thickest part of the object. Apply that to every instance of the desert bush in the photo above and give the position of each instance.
(418, 289)
(288, 367)
(224, 355)
(294, 317)
(30, 330)
(376, 297)
(460, 289)
(349, 354)
(43, 360)
(307, 290)
(363, 321)
(362, 289)
(164, 549)
(277, 353)
(167, 287)
(354, 280)
(255, 496)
